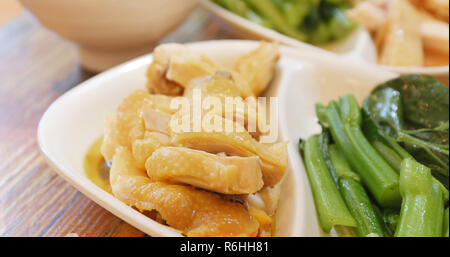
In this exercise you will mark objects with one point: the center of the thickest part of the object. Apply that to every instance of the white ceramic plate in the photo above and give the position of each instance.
(358, 45)
(74, 121)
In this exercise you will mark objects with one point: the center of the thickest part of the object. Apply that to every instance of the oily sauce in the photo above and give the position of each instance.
(95, 167)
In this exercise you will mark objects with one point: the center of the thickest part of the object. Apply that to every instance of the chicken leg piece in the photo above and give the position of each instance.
(226, 175)
(194, 212)
(236, 143)
(258, 66)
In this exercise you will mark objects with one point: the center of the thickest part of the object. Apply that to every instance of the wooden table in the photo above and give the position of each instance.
(36, 67)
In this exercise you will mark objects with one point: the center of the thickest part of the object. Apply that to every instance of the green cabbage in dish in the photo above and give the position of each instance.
(313, 21)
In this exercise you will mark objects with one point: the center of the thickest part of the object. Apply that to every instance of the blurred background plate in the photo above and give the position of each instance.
(358, 45)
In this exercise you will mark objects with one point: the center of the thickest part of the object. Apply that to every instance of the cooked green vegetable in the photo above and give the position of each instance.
(313, 21)
(411, 111)
(422, 212)
(344, 121)
(388, 154)
(390, 218)
(425, 100)
(446, 223)
(355, 196)
(330, 206)
(269, 10)
(398, 145)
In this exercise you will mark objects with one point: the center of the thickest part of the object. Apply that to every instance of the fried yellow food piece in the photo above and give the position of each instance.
(194, 212)
(173, 67)
(237, 142)
(258, 66)
(403, 42)
(226, 175)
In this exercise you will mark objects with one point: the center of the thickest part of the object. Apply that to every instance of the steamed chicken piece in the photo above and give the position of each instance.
(225, 84)
(264, 220)
(222, 84)
(173, 67)
(156, 120)
(184, 69)
(226, 175)
(142, 149)
(194, 212)
(270, 197)
(237, 143)
(127, 124)
(258, 66)
(157, 134)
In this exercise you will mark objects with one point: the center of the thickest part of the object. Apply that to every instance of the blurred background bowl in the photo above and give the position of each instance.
(109, 32)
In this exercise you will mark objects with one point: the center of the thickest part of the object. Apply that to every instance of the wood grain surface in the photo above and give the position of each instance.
(36, 67)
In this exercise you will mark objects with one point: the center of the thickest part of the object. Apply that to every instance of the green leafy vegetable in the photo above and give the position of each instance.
(411, 113)
(425, 100)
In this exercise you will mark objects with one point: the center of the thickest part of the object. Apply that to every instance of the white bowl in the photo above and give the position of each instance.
(358, 45)
(74, 121)
(110, 32)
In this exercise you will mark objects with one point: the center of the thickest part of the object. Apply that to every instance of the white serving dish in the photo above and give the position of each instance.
(359, 45)
(74, 121)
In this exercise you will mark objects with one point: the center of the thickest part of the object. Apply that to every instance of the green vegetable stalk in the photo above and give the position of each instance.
(388, 154)
(355, 196)
(376, 174)
(446, 223)
(330, 206)
(390, 219)
(422, 212)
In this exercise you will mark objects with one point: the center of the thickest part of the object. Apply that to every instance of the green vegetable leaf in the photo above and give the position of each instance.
(411, 111)
(425, 100)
